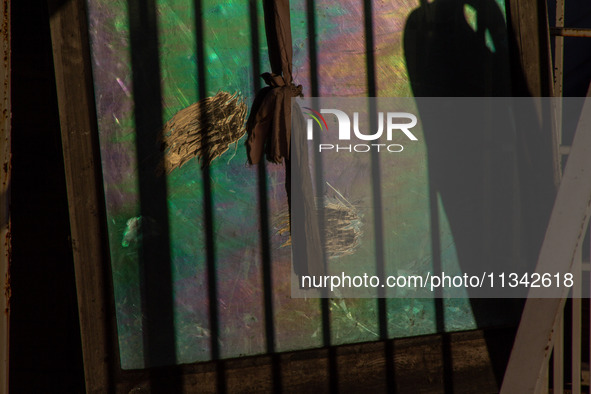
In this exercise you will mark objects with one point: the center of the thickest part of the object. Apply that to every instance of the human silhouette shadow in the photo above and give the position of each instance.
(446, 56)
(459, 48)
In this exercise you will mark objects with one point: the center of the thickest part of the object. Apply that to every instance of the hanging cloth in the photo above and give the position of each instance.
(269, 123)
(269, 129)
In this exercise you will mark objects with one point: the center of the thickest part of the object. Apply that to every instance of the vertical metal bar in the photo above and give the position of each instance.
(5, 195)
(558, 83)
(155, 266)
(208, 217)
(254, 44)
(312, 47)
(576, 324)
(439, 307)
(370, 65)
(267, 276)
(314, 92)
(559, 50)
(264, 212)
(558, 359)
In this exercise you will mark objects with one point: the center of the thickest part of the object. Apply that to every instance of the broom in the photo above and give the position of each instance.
(342, 227)
(204, 130)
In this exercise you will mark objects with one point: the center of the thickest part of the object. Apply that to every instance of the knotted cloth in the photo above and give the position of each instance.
(269, 123)
(269, 132)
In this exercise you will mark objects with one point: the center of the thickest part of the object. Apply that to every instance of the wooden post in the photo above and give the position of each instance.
(71, 56)
(531, 53)
(528, 27)
(5, 195)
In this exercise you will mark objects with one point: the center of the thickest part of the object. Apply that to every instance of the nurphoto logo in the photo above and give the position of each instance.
(395, 123)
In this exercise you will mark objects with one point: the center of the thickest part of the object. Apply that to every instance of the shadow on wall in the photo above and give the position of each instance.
(485, 178)
(457, 48)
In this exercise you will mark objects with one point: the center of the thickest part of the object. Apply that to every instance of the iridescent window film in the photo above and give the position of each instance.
(226, 42)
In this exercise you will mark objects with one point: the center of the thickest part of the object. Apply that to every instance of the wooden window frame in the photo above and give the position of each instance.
(357, 366)
(5, 141)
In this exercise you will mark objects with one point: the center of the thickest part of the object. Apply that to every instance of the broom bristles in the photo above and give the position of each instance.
(342, 226)
(205, 130)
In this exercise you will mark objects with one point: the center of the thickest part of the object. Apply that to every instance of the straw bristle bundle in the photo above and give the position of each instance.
(342, 226)
(204, 129)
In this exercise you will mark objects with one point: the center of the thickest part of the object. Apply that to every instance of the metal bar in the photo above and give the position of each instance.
(559, 32)
(576, 326)
(370, 64)
(447, 359)
(312, 47)
(208, 208)
(558, 84)
(558, 50)
(267, 273)
(156, 278)
(558, 359)
(332, 367)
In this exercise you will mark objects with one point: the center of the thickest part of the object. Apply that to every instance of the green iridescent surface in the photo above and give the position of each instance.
(227, 38)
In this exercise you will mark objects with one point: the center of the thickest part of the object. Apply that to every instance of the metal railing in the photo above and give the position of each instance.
(539, 358)
(541, 331)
